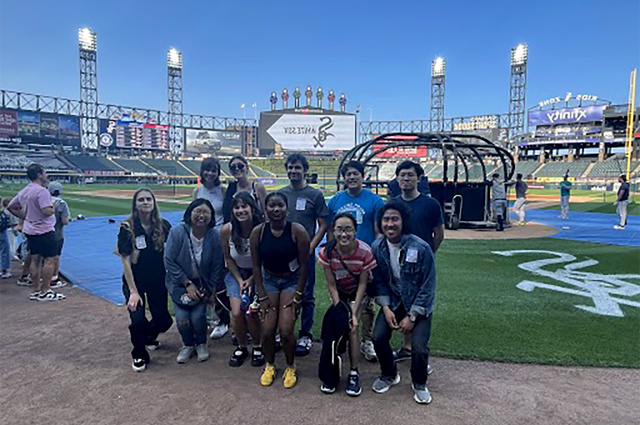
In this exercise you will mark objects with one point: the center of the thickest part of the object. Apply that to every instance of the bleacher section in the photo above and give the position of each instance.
(168, 167)
(20, 162)
(559, 169)
(260, 172)
(135, 166)
(436, 172)
(611, 168)
(93, 163)
(526, 168)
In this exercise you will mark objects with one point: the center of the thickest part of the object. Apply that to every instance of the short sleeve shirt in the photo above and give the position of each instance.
(360, 261)
(426, 214)
(150, 265)
(305, 206)
(33, 198)
(364, 208)
(61, 212)
(565, 188)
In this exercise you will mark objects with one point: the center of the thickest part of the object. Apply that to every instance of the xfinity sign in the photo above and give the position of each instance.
(567, 115)
(307, 130)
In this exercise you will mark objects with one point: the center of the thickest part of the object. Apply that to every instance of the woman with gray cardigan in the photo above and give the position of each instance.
(193, 259)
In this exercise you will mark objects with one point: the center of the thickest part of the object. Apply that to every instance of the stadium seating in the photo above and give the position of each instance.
(168, 166)
(192, 165)
(92, 163)
(260, 172)
(559, 169)
(526, 168)
(436, 172)
(135, 166)
(611, 168)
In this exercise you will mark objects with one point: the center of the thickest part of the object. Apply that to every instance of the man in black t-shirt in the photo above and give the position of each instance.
(426, 223)
(622, 202)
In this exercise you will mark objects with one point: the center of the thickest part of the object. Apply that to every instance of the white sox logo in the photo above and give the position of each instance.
(606, 291)
(322, 132)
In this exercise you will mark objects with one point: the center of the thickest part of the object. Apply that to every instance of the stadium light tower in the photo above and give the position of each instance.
(174, 92)
(438, 66)
(88, 50)
(519, 60)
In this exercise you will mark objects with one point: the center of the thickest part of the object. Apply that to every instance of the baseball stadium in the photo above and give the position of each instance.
(549, 298)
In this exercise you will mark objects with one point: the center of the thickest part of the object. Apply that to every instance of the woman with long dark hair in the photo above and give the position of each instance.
(347, 264)
(141, 247)
(234, 238)
(239, 167)
(280, 256)
(193, 258)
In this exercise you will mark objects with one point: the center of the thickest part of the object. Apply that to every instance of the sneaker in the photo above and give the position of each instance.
(522, 223)
(401, 354)
(24, 281)
(421, 394)
(383, 383)
(234, 339)
(185, 354)
(304, 346)
(203, 352)
(369, 354)
(289, 378)
(5, 274)
(429, 369)
(51, 296)
(152, 345)
(219, 331)
(353, 384)
(58, 284)
(268, 375)
(139, 365)
(326, 389)
(238, 357)
(35, 295)
(257, 357)
(618, 227)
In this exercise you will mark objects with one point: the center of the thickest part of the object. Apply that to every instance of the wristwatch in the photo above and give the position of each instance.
(412, 317)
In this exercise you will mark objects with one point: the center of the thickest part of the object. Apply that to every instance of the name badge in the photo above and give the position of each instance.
(359, 217)
(301, 204)
(293, 266)
(412, 255)
(141, 242)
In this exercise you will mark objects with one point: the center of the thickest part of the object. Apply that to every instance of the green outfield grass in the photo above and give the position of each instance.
(599, 207)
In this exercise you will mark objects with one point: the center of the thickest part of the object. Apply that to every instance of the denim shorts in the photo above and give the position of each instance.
(274, 283)
(232, 285)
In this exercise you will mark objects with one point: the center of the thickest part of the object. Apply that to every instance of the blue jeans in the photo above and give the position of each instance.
(192, 323)
(308, 300)
(5, 251)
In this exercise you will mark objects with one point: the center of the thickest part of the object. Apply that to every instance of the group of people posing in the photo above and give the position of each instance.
(254, 253)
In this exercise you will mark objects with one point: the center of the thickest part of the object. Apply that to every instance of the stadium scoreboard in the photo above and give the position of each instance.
(134, 135)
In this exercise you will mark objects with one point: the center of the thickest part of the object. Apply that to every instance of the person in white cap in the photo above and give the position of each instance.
(61, 211)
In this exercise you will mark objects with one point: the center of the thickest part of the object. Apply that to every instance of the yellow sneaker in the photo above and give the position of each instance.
(268, 375)
(289, 378)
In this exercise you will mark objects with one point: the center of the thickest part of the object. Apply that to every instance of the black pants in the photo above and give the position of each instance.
(419, 343)
(142, 330)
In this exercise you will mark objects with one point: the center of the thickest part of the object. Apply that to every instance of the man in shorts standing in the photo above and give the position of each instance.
(363, 205)
(34, 205)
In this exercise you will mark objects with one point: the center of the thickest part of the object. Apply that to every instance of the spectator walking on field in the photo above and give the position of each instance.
(622, 202)
(565, 193)
(521, 197)
(62, 214)
(34, 205)
(5, 246)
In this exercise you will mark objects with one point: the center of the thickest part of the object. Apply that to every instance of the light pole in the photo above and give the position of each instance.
(438, 66)
(88, 50)
(174, 92)
(244, 114)
(519, 61)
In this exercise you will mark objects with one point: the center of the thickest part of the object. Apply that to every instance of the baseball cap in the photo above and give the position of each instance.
(55, 187)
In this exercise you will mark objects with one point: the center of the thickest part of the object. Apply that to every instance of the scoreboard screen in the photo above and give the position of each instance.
(133, 134)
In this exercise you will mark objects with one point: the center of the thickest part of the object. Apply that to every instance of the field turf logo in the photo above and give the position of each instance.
(606, 291)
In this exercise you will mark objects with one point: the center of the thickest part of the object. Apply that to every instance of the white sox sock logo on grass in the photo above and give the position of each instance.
(605, 290)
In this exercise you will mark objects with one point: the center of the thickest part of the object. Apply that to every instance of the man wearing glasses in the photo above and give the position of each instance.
(308, 208)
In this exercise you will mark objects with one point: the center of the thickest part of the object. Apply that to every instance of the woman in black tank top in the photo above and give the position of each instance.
(280, 256)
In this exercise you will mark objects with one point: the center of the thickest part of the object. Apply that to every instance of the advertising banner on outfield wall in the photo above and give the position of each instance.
(215, 142)
(307, 129)
(8, 123)
(567, 115)
(39, 127)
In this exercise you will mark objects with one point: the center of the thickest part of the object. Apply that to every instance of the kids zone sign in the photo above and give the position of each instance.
(566, 115)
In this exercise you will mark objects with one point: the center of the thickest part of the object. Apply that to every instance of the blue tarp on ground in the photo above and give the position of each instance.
(88, 260)
(89, 263)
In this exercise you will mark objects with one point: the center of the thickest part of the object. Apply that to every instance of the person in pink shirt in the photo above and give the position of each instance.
(34, 205)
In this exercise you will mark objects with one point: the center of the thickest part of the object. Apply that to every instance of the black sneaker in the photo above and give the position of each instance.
(238, 357)
(257, 357)
(139, 365)
(401, 354)
(303, 347)
(353, 385)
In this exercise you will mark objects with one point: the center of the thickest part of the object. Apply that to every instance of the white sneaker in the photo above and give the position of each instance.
(5, 274)
(24, 281)
(185, 354)
(58, 284)
(618, 227)
(34, 296)
(366, 348)
(203, 352)
(219, 331)
(51, 296)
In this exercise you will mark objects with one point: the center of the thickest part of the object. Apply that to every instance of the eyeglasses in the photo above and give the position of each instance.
(345, 230)
(236, 167)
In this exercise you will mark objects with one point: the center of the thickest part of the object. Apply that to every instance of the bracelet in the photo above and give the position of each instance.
(260, 299)
(295, 302)
(299, 293)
